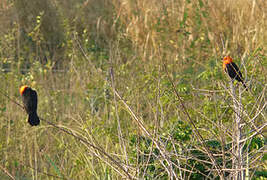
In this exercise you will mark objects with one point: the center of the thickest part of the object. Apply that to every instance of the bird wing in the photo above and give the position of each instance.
(34, 100)
(237, 70)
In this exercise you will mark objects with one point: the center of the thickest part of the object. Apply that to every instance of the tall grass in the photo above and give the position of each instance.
(131, 89)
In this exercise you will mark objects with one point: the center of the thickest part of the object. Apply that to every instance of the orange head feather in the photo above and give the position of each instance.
(227, 60)
(22, 89)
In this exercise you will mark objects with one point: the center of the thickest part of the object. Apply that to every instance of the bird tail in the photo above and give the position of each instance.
(33, 119)
(244, 85)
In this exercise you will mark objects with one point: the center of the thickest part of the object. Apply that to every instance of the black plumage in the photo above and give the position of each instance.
(30, 101)
(234, 72)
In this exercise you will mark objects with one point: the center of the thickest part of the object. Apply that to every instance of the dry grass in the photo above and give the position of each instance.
(115, 88)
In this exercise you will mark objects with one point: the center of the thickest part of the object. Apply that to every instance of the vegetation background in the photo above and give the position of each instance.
(131, 88)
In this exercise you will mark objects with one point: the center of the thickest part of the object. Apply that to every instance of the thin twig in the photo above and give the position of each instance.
(78, 138)
(157, 143)
(90, 145)
(198, 135)
(5, 171)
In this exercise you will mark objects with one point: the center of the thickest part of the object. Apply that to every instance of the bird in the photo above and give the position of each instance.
(30, 101)
(232, 70)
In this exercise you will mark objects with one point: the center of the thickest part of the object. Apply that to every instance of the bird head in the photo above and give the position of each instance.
(22, 89)
(227, 60)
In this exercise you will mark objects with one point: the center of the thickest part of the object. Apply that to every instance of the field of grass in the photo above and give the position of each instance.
(133, 89)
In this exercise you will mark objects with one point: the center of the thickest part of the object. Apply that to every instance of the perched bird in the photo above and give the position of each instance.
(232, 70)
(29, 99)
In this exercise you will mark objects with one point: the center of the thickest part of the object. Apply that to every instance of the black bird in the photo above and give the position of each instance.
(29, 99)
(232, 70)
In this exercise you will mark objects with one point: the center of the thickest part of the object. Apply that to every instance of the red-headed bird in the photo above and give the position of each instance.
(232, 70)
(29, 99)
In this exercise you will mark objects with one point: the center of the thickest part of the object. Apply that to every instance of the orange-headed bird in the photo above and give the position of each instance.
(29, 99)
(232, 70)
